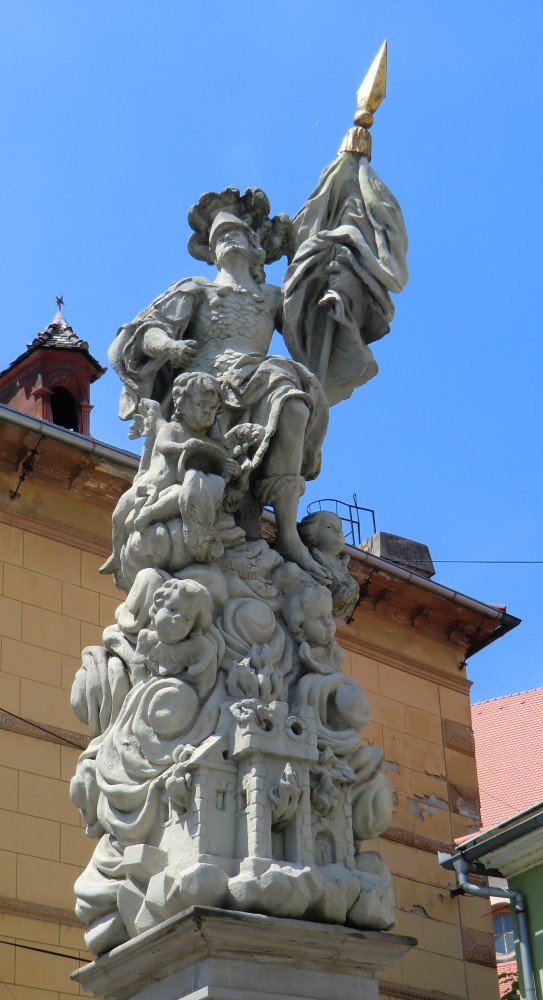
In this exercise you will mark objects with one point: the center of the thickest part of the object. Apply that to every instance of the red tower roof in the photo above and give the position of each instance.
(52, 378)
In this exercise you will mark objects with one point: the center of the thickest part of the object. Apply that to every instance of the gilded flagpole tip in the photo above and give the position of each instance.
(369, 95)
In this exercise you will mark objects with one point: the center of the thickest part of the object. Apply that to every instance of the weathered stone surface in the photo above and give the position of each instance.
(464, 799)
(458, 737)
(478, 946)
(209, 953)
(225, 767)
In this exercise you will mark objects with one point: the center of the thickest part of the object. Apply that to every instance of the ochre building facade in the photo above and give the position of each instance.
(406, 645)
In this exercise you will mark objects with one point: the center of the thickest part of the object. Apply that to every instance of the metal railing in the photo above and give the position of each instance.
(349, 514)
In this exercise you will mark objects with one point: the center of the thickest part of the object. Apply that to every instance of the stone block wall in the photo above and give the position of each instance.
(419, 697)
(52, 602)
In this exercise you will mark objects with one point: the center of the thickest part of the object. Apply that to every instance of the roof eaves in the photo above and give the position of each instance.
(99, 448)
(485, 842)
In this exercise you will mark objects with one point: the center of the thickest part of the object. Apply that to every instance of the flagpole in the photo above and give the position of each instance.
(369, 95)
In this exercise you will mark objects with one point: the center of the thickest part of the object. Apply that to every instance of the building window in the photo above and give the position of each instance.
(504, 936)
(64, 409)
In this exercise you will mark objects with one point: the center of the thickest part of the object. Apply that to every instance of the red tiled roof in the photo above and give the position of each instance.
(508, 748)
(511, 969)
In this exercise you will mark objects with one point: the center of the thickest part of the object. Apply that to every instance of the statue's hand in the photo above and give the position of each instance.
(334, 304)
(245, 436)
(232, 468)
(182, 352)
(252, 434)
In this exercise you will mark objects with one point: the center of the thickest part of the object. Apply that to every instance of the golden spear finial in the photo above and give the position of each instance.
(369, 95)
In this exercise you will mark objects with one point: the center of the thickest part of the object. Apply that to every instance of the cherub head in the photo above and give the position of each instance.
(322, 530)
(308, 615)
(196, 399)
(180, 608)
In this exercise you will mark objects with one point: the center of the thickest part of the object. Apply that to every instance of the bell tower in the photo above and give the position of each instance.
(52, 379)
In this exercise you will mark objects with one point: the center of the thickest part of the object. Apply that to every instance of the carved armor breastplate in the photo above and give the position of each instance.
(235, 319)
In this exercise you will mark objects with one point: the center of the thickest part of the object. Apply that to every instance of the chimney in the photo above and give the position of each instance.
(414, 556)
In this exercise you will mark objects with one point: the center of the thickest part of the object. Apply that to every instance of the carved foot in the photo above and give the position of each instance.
(142, 521)
(111, 565)
(293, 550)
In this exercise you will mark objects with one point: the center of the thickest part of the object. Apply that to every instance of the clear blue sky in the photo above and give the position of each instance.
(118, 115)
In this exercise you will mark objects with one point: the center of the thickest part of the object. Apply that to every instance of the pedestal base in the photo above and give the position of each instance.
(211, 954)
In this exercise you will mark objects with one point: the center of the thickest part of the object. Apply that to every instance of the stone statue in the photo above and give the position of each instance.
(322, 532)
(225, 766)
(224, 328)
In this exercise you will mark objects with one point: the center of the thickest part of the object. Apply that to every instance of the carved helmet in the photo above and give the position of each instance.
(225, 220)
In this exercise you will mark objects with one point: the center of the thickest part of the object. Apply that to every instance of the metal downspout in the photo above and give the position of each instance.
(515, 897)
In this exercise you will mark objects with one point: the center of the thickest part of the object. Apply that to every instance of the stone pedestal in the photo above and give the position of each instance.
(211, 954)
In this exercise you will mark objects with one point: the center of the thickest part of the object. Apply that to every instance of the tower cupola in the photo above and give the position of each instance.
(52, 379)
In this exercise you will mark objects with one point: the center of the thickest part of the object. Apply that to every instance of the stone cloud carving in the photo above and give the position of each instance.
(225, 766)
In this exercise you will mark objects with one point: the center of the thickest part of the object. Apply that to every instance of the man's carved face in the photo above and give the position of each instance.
(231, 240)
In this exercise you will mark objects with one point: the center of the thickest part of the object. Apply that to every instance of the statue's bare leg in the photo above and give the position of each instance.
(281, 484)
(118, 531)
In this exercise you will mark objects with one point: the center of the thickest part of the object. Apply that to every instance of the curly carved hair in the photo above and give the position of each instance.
(197, 597)
(184, 383)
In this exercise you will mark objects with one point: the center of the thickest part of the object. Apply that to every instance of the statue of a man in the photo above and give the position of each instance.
(333, 303)
(224, 327)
